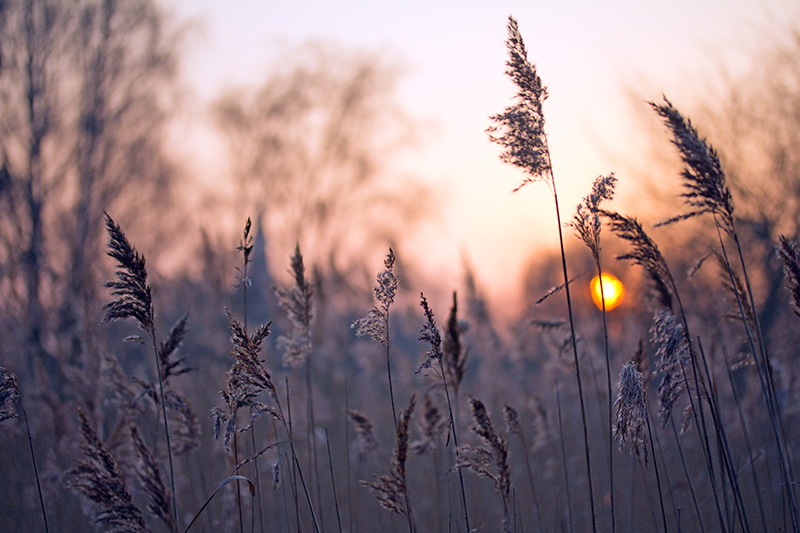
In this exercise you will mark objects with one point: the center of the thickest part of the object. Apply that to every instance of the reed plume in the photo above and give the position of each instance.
(706, 188)
(431, 425)
(366, 440)
(296, 301)
(376, 323)
(630, 416)
(520, 128)
(790, 256)
(247, 378)
(9, 393)
(391, 489)
(644, 253)
(172, 366)
(672, 358)
(99, 479)
(430, 334)
(490, 461)
(586, 221)
(159, 499)
(134, 300)
(454, 355)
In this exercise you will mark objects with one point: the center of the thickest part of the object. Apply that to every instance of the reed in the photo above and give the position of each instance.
(520, 131)
(134, 300)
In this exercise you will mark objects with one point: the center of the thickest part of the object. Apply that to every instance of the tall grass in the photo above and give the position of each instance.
(520, 131)
(711, 440)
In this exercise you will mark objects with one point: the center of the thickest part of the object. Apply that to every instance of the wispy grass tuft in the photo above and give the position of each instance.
(134, 300)
(296, 301)
(376, 323)
(454, 355)
(790, 256)
(645, 253)
(159, 499)
(706, 187)
(490, 461)
(366, 440)
(391, 489)
(630, 416)
(99, 479)
(672, 359)
(520, 128)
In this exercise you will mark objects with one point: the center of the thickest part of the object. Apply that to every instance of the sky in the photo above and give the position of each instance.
(590, 54)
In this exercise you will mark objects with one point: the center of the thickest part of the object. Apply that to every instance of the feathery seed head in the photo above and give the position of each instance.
(630, 417)
(9, 392)
(298, 305)
(497, 448)
(366, 440)
(167, 348)
(520, 128)
(672, 358)
(376, 323)
(159, 499)
(391, 489)
(790, 255)
(431, 424)
(429, 334)
(586, 221)
(134, 298)
(246, 247)
(454, 356)
(704, 180)
(645, 253)
(512, 420)
(98, 478)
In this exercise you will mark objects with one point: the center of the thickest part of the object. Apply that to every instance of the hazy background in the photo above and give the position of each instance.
(600, 61)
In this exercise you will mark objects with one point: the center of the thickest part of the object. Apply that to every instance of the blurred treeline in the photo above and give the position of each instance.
(87, 92)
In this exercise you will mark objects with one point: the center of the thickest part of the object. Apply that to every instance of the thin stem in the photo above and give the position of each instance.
(35, 468)
(238, 492)
(295, 461)
(389, 370)
(455, 442)
(333, 481)
(610, 401)
(765, 375)
(658, 477)
(258, 482)
(575, 356)
(152, 333)
(688, 477)
(347, 456)
(564, 457)
(748, 446)
(530, 481)
(311, 433)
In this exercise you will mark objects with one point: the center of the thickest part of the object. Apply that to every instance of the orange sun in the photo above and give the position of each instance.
(612, 291)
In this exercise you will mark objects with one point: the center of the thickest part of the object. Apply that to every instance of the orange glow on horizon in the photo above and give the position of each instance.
(613, 291)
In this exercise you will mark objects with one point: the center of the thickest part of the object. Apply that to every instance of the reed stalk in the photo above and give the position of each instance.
(520, 131)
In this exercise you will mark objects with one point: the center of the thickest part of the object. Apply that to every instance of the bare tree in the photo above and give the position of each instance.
(310, 147)
(82, 95)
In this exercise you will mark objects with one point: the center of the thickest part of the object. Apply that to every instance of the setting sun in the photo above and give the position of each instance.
(612, 290)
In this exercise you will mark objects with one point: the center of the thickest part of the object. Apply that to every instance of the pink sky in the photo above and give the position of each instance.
(587, 52)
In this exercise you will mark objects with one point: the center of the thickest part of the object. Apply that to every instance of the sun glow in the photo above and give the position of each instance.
(612, 291)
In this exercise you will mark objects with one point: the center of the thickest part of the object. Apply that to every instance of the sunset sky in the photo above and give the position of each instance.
(590, 55)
